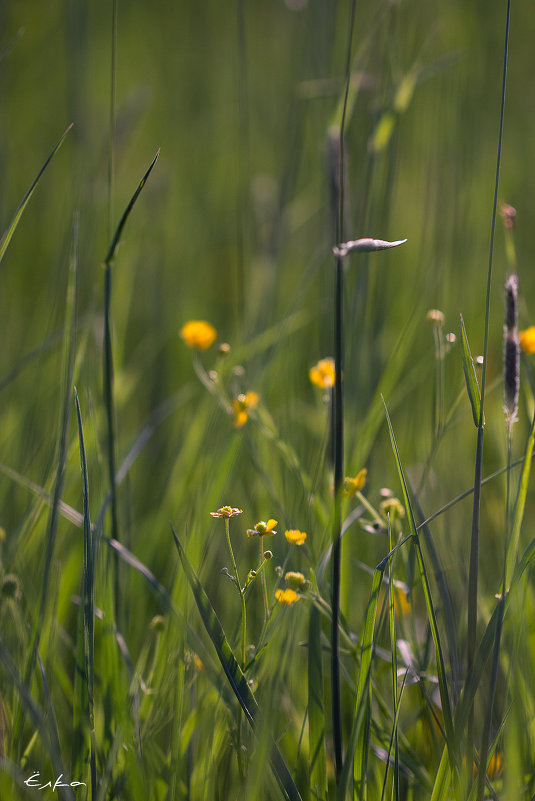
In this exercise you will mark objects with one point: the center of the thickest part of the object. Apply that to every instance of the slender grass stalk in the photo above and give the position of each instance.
(108, 368)
(511, 390)
(338, 428)
(263, 580)
(474, 541)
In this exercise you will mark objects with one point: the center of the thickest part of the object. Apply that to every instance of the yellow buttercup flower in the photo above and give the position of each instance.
(286, 597)
(353, 485)
(295, 581)
(198, 334)
(295, 537)
(242, 405)
(527, 339)
(263, 529)
(227, 511)
(322, 374)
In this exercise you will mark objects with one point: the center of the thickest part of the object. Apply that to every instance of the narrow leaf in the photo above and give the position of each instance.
(470, 376)
(512, 547)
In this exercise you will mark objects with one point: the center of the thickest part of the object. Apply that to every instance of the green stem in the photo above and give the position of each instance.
(240, 590)
(263, 579)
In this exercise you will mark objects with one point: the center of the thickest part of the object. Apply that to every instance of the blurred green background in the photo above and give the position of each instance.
(234, 226)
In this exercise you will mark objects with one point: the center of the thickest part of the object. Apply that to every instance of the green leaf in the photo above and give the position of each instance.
(471, 378)
(232, 670)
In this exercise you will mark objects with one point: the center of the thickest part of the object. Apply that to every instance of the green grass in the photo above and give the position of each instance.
(403, 669)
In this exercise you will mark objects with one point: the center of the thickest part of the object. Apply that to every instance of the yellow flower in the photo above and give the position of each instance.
(295, 581)
(198, 334)
(286, 597)
(263, 529)
(295, 537)
(527, 339)
(322, 374)
(227, 511)
(242, 405)
(353, 485)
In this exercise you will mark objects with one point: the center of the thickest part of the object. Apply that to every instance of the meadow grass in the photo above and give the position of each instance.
(264, 522)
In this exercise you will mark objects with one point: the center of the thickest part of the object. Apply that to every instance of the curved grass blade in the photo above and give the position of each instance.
(470, 377)
(10, 230)
(126, 213)
(441, 669)
(232, 670)
(316, 709)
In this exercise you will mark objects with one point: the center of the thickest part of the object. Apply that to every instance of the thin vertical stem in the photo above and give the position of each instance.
(241, 765)
(338, 432)
(474, 544)
(263, 580)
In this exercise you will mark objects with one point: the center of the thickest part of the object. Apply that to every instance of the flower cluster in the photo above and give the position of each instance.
(242, 405)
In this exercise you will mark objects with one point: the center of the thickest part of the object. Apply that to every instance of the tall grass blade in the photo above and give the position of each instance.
(362, 745)
(393, 656)
(520, 505)
(441, 669)
(88, 601)
(108, 368)
(56, 503)
(38, 718)
(232, 670)
(337, 412)
(316, 709)
(357, 748)
(10, 230)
